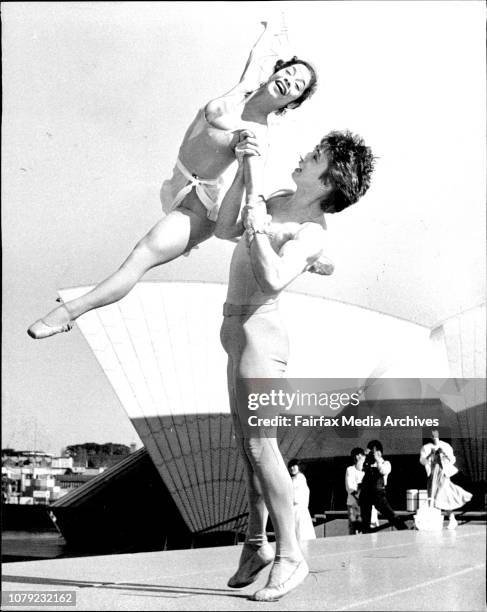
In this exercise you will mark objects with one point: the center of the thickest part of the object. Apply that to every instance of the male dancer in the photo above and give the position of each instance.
(373, 489)
(284, 237)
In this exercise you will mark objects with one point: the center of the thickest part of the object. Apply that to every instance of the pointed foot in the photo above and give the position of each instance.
(57, 321)
(252, 562)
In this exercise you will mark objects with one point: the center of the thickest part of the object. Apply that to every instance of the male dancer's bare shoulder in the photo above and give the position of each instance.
(309, 231)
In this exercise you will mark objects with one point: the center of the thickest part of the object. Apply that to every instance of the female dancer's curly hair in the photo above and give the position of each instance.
(308, 92)
(351, 164)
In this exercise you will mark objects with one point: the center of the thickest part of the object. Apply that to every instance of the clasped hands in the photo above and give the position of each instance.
(254, 214)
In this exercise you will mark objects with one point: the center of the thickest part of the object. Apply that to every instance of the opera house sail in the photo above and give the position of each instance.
(159, 348)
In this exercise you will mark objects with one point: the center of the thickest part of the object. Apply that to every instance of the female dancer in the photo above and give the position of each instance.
(192, 196)
(438, 459)
(302, 518)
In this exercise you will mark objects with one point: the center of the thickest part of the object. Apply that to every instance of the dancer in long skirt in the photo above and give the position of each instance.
(439, 461)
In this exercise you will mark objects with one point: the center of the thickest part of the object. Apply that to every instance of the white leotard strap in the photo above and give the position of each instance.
(197, 183)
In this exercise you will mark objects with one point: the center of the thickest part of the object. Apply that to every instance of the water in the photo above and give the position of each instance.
(32, 545)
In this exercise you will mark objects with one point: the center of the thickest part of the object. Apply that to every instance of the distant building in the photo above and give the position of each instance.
(67, 482)
(62, 463)
(36, 477)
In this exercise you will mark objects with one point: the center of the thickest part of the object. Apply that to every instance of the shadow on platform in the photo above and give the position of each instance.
(155, 588)
(394, 570)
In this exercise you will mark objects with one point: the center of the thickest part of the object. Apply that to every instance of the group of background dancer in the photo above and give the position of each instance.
(281, 237)
(366, 481)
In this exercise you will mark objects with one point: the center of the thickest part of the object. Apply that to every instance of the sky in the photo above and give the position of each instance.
(96, 99)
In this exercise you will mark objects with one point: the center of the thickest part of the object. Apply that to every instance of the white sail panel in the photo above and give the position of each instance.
(160, 350)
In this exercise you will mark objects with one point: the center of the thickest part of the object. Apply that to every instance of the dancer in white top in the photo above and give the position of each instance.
(302, 518)
(353, 477)
(192, 196)
(439, 461)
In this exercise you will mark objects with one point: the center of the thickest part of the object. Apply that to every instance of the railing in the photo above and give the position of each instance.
(230, 520)
(331, 515)
(238, 519)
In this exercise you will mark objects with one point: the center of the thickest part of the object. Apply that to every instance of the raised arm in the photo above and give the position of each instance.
(261, 59)
(229, 225)
(384, 466)
(259, 67)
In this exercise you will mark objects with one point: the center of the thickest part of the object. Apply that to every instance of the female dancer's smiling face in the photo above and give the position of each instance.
(288, 84)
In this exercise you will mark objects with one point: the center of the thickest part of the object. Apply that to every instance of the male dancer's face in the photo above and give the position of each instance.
(311, 168)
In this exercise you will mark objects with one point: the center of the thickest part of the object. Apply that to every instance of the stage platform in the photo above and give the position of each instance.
(394, 570)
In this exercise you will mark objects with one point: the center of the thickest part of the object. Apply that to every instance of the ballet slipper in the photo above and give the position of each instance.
(247, 572)
(41, 329)
(274, 592)
(452, 523)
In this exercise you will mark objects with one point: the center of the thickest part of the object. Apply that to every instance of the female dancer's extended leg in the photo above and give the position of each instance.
(172, 236)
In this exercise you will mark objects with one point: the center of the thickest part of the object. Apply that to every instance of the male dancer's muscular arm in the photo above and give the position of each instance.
(274, 271)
